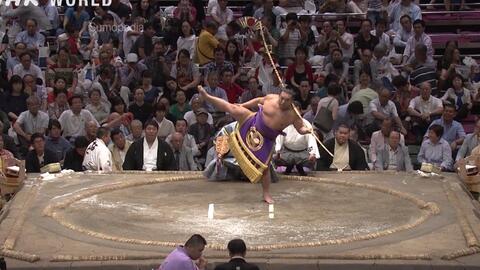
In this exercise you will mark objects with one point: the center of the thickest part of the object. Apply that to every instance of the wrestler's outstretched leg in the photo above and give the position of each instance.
(238, 112)
(266, 187)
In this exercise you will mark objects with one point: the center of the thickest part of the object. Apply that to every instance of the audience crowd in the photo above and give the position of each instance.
(114, 87)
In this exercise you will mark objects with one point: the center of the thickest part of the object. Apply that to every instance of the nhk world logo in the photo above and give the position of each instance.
(58, 3)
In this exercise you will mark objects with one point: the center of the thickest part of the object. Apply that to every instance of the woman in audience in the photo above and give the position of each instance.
(118, 106)
(60, 85)
(186, 73)
(14, 101)
(300, 69)
(98, 109)
(144, 9)
(60, 105)
(181, 107)
(187, 39)
(450, 61)
(364, 82)
(232, 54)
(459, 96)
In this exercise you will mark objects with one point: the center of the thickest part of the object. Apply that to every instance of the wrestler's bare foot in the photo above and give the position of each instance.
(268, 198)
(202, 91)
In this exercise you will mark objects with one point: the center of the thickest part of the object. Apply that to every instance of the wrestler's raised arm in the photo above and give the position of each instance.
(251, 104)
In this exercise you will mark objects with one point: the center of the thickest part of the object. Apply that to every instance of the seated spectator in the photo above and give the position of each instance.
(14, 59)
(9, 143)
(56, 108)
(188, 140)
(436, 150)
(421, 68)
(166, 103)
(91, 128)
(393, 156)
(31, 35)
(97, 156)
(137, 130)
(233, 90)
(27, 67)
(345, 40)
(73, 121)
(347, 154)
(327, 36)
(296, 150)
(119, 149)
(218, 64)
(139, 108)
(383, 38)
(179, 109)
(419, 37)
(191, 116)
(31, 121)
(365, 96)
(39, 156)
(185, 73)
(131, 73)
(290, 39)
(165, 126)
(157, 64)
(132, 32)
(74, 157)
(382, 68)
(299, 70)
(237, 251)
(55, 142)
(382, 108)
(404, 93)
(185, 12)
(207, 43)
(120, 121)
(151, 92)
(34, 88)
(202, 132)
(150, 153)
(424, 109)
(471, 141)
(365, 40)
(184, 257)
(251, 8)
(403, 34)
(447, 65)
(453, 131)
(380, 138)
(63, 65)
(4, 153)
(253, 91)
(364, 65)
(331, 103)
(363, 83)
(183, 156)
(405, 7)
(309, 115)
(460, 97)
(234, 55)
(303, 95)
(187, 39)
(269, 10)
(76, 16)
(222, 15)
(349, 114)
(338, 67)
(100, 110)
(143, 46)
(213, 89)
(106, 35)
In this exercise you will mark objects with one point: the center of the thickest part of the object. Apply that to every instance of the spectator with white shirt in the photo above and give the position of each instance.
(405, 7)
(383, 37)
(31, 121)
(191, 116)
(380, 139)
(436, 150)
(27, 67)
(424, 109)
(187, 39)
(382, 108)
(188, 140)
(97, 156)
(222, 15)
(393, 156)
(290, 39)
(403, 34)
(73, 120)
(345, 40)
(150, 153)
(419, 37)
(296, 150)
(31, 36)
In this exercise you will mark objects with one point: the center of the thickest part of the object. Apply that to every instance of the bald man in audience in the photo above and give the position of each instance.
(183, 156)
(393, 156)
(91, 131)
(136, 128)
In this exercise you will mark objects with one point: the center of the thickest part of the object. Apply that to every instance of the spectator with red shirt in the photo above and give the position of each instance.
(300, 69)
(234, 91)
